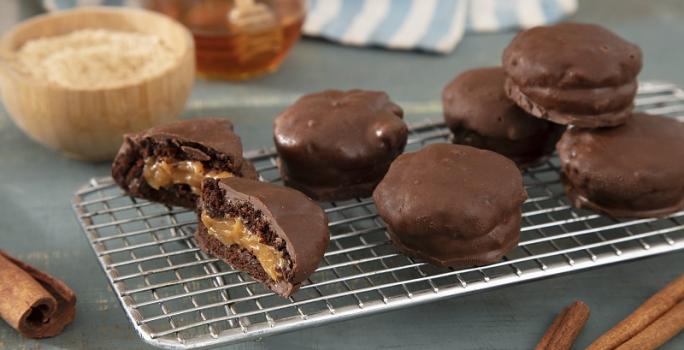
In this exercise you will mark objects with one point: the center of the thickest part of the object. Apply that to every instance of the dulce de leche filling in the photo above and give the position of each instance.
(161, 172)
(233, 231)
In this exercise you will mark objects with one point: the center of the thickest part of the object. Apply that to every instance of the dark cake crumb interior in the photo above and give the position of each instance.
(180, 194)
(173, 151)
(215, 205)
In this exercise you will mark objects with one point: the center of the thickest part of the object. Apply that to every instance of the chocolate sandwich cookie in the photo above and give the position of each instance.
(167, 163)
(573, 73)
(274, 233)
(479, 114)
(452, 205)
(635, 170)
(336, 145)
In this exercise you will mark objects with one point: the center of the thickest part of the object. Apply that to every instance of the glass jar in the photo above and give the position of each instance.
(237, 39)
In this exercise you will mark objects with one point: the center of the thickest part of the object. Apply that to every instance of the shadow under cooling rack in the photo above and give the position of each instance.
(178, 297)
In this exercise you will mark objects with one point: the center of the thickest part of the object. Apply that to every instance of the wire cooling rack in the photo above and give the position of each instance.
(178, 297)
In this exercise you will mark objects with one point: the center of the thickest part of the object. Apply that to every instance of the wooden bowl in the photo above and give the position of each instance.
(89, 123)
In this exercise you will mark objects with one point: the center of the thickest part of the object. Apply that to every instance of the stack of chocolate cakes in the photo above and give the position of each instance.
(581, 77)
(614, 160)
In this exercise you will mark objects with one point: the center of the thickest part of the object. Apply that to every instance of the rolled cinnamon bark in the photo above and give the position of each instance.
(652, 309)
(33, 302)
(659, 332)
(565, 327)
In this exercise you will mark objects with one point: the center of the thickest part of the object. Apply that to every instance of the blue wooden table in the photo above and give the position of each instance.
(38, 226)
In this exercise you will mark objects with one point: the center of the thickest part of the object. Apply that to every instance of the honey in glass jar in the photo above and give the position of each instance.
(237, 39)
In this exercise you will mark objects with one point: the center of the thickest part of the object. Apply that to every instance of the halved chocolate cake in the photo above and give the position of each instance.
(167, 163)
(274, 233)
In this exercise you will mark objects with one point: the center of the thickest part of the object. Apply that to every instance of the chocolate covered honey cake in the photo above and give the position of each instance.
(167, 163)
(275, 234)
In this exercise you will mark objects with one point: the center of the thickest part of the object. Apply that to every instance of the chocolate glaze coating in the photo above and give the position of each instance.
(571, 55)
(291, 217)
(335, 145)
(452, 205)
(550, 112)
(479, 114)
(634, 170)
(209, 140)
(573, 73)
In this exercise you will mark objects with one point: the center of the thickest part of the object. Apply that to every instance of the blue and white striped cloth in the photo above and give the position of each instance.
(429, 25)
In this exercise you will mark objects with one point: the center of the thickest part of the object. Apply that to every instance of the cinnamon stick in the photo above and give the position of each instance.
(651, 310)
(565, 327)
(33, 302)
(658, 332)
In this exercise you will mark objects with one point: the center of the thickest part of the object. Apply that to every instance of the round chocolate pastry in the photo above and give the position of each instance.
(336, 145)
(479, 114)
(275, 234)
(167, 163)
(633, 171)
(573, 73)
(452, 205)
